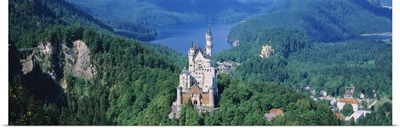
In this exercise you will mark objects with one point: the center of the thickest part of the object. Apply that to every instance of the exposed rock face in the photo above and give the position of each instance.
(41, 56)
(27, 64)
(77, 60)
(236, 43)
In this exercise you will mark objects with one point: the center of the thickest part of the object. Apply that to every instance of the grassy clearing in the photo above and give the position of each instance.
(380, 102)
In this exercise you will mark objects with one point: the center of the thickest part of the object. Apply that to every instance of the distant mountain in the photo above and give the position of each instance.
(29, 16)
(386, 2)
(324, 20)
(160, 12)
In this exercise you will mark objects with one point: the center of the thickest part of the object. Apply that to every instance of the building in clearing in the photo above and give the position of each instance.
(273, 113)
(338, 115)
(199, 82)
(266, 51)
(341, 102)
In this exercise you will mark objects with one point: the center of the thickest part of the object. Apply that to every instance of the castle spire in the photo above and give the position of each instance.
(192, 44)
(208, 41)
(209, 30)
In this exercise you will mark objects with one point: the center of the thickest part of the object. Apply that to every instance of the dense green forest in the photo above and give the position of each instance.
(37, 15)
(122, 63)
(316, 49)
(364, 64)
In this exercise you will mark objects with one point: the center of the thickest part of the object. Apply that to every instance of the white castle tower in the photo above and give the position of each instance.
(208, 41)
(199, 82)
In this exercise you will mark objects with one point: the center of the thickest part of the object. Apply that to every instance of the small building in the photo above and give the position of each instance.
(313, 91)
(348, 94)
(273, 113)
(338, 115)
(266, 51)
(323, 93)
(362, 95)
(341, 102)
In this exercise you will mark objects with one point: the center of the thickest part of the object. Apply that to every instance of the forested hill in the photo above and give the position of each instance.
(313, 46)
(36, 15)
(161, 12)
(324, 20)
(63, 73)
(27, 18)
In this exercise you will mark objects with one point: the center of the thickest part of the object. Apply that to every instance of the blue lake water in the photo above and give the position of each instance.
(179, 37)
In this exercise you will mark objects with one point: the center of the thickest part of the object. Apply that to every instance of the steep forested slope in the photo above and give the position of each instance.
(27, 17)
(292, 32)
(49, 86)
(323, 20)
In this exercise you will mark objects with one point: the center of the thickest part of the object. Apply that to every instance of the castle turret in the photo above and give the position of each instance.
(209, 41)
(191, 56)
(179, 96)
(211, 97)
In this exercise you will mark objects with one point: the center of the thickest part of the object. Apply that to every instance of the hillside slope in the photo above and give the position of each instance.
(323, 20)
(296, 30)
(159, 12)
(59, 70)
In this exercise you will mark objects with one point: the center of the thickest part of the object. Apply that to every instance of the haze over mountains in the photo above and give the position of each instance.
(156, 12)
(323, 20)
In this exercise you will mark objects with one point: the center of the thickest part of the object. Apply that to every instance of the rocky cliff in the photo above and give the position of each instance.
(47, 65)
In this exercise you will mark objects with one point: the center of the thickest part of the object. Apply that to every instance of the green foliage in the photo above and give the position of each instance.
(347, 110)
(166, 52)
(244, 103)
(324, 66)
(121, 64)
(24, 107)
(382, 116)
(134, 31)
(27, 19)
(333, 66)
(284, 41)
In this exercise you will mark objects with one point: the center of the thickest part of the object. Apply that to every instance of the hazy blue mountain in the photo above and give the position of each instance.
(160, 12)
(324, 20)
(386, 2)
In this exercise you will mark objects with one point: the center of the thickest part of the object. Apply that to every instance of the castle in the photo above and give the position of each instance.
(199, 82)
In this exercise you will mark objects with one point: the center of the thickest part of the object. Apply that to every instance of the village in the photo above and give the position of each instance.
(361, 104)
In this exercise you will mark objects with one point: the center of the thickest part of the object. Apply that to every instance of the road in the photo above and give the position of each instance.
(373, 104)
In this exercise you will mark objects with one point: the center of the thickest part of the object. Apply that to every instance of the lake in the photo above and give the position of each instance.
(179, 37)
